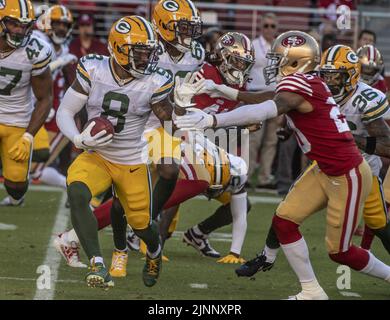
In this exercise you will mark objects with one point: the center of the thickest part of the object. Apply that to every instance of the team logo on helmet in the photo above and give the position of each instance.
(123, 27)
(293, 41)
(171, 5)
(2, 4)
(228, 40)
(352, 57)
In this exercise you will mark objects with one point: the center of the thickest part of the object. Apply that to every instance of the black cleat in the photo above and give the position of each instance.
(200, 243)
(251, 267)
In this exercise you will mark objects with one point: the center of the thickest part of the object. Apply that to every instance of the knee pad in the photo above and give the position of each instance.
(16, 191)
(41, 155)
(354, 257)
(79, 194)
(286, 231)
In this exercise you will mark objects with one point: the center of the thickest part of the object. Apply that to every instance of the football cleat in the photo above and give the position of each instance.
(251, 267)
(9, 202)
(118, 264)
(318, 294)
(99, 277)
(133, 242)
(232, 259)
(152, 269)
(200, 243)
(69, 251)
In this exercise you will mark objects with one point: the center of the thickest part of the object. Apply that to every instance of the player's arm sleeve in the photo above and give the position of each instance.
(164, 87)
(377, 108)
(83, 74)
(71, 104)
(42, 61)
(296, 85)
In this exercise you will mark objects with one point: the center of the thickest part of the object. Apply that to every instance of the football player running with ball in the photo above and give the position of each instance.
(24, 71)
(339, 181)
(123, 88)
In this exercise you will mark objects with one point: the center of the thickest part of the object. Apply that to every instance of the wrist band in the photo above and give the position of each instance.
(370, 145)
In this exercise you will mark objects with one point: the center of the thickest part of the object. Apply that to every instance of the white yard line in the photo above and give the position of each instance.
(8, 227)
(32, 279)
(53, 258)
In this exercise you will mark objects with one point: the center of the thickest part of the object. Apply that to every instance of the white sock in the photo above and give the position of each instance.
(154, 255)
(270, 254)
(238, 207)
(97, 260)
(297, 255)
(122, 251)
(70, 236)
(52, 177)
(376, 268)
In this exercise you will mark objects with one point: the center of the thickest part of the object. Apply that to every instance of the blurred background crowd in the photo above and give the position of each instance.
(274, 163)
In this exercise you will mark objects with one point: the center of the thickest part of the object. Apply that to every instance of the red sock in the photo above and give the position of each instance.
(102, 214)
(184, 190)
(368, 237)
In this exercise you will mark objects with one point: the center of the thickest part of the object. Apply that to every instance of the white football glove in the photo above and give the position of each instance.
(185, 90)
(194, 119)
(63, 61)
(214, 90)
(84, 140)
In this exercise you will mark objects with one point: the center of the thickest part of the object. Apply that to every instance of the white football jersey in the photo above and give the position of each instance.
(365, 105)
(16, 70)
(126, 105)
(191, 61)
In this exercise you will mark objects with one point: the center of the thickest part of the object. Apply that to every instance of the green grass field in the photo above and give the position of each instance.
(25, 248)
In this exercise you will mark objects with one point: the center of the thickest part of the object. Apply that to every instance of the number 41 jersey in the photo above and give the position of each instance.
(16, 70)
(126, 105)
(323, 134)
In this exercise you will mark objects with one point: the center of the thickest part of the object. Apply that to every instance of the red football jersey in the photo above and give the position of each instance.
(381, 85)
(323, 134)
(214, 105)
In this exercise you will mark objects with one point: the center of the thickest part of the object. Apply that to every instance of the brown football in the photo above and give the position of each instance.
(100, 125)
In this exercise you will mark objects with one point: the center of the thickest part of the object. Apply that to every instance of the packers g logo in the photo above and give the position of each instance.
(122, 27)
(2, 4)
(171, 6)
(352, 57)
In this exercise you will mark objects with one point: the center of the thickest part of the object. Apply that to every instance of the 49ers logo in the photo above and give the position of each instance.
(171, 5)
(228, 40)
(293, 41)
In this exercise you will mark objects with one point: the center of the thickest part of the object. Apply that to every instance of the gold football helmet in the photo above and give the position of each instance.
(16, 21)
(340, 68)
(237, 57)
(177, 22)
(371, 63)
(292, 51)
(133, 44)
(57, 23)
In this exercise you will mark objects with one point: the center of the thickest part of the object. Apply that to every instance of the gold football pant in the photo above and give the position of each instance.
(132, 184)
(343, 197)
(375, 212)
(12, 170)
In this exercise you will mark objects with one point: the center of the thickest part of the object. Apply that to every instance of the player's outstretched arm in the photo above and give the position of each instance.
(42, 86)
(282, 103)
(379, 140)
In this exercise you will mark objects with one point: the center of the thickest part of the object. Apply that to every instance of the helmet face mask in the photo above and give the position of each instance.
(142, 60)
(335, 80)
(235, 68)
(185, 32)
(274, 63)
(371, 64)
(14, 38)
(60, 31)
(370, 74)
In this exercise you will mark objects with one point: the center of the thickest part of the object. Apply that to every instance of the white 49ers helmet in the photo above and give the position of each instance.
(292, 51)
